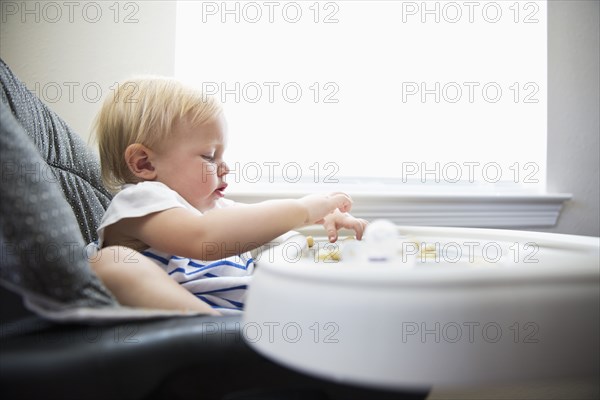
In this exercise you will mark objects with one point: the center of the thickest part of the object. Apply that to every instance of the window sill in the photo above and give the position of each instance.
(482, 210)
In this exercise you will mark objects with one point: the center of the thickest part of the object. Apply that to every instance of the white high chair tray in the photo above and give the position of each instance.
(484, 306)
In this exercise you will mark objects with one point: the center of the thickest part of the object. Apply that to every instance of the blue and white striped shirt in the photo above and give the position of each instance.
(221, 284)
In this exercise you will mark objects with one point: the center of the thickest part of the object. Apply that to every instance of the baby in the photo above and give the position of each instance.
(179, 243)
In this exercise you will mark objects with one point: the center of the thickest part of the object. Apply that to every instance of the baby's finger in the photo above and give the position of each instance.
(358, 225)
(342, 201)
(331, 229)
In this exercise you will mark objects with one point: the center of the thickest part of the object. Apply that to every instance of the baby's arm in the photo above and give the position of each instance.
(228, 231)
(138, 282)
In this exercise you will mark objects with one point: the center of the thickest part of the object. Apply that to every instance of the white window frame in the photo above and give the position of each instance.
(438, 209)
(412, 206)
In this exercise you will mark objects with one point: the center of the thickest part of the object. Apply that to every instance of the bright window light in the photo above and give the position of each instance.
(445, 95)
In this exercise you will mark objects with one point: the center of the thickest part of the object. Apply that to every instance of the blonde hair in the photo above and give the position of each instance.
(144, 110)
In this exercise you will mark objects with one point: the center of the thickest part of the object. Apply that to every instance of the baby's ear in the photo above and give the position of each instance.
(137, 157)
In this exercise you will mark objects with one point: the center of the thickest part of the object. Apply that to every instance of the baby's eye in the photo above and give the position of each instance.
(209, 158)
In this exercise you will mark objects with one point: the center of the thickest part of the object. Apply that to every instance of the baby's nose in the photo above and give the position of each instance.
(223, 169)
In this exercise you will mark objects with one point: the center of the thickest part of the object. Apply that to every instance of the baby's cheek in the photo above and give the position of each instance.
(209, 171)
(206, 183)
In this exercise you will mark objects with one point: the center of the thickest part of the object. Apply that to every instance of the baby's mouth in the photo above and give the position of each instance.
(221, 189)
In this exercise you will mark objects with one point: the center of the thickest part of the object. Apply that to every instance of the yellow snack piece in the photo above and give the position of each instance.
(329, 255)
(429, 247)
(310, 241)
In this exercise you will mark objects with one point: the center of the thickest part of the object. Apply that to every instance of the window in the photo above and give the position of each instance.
(446, 93)
(434, 97)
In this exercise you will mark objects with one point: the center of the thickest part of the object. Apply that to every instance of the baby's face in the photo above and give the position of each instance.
(191, 162)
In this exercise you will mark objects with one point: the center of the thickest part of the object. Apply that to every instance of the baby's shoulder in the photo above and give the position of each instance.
(144, 198)
(146, 192)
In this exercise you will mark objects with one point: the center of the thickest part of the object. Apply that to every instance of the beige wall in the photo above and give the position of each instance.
(71, 55)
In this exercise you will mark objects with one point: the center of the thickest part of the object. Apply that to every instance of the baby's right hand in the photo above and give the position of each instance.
(320, 205)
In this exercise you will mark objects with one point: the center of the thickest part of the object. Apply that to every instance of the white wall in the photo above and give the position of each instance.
(573, 108)
(59, 53)
(91, 45)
